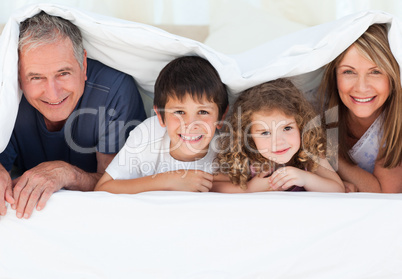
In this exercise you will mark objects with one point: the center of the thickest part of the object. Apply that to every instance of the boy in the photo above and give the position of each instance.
(175, 149)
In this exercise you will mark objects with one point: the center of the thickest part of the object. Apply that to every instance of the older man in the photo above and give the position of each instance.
(73, 118)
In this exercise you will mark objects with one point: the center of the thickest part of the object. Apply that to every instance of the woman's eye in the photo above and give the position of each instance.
(348, 72)
(376, 72)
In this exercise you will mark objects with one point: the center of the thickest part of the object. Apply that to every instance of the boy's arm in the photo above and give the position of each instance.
(180, 180)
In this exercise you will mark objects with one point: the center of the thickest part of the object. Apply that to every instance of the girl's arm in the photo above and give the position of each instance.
(180, 180)
(382, 180)
(324, 179)
(259, 183)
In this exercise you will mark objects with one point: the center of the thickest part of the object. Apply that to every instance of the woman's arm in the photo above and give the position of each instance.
(382, 180)
(390, 179)
(361, 179)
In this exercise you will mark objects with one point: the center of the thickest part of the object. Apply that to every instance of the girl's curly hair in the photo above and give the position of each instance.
(238, 148)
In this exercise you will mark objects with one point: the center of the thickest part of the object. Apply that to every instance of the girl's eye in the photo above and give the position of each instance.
(266, 133)
(288, 128)
(203, 112)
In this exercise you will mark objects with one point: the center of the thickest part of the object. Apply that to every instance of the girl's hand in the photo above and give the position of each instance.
(350, 187)
(286, 177)
(259, 183)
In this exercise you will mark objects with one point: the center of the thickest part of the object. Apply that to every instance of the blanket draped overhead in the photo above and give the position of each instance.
(142, 51)
(175, 234)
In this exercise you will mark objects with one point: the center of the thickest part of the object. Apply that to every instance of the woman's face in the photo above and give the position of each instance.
(363, 87)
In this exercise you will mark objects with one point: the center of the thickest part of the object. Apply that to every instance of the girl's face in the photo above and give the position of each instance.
(362, 86)
(275, 135)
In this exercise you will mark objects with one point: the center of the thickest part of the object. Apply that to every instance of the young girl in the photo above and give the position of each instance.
(273, 142)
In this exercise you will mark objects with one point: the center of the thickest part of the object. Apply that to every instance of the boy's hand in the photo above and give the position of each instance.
(189, 180)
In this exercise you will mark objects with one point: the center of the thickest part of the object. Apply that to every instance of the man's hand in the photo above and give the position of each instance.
(36, 185)
(6, 193)
(189, 180)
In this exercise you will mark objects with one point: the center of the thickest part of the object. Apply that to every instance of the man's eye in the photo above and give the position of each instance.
(35, 78)
(64, 73)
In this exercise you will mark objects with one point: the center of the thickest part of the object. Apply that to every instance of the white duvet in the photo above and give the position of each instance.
(201, 235)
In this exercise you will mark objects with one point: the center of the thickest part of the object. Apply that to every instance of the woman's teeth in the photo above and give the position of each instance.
(363, 100)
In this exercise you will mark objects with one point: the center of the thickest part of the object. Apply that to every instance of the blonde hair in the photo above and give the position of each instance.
(374, 46)
(238, 147)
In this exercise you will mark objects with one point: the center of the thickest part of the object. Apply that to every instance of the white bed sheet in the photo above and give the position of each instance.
(206, 235)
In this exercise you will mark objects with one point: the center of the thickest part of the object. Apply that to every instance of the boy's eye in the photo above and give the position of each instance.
(180, 112)
(203, 112)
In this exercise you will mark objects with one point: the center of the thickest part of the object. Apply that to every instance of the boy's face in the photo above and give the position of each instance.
(191, 126)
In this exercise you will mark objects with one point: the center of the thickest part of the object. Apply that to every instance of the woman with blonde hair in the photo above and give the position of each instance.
(361, 92)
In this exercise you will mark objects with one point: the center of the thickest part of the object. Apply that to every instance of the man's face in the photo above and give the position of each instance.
(52, 80)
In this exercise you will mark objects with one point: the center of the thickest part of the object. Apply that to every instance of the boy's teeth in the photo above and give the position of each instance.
(190, 138)
(364, 100)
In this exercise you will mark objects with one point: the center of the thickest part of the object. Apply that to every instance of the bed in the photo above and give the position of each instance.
(201, 235)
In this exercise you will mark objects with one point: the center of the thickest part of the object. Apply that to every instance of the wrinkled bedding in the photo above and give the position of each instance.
(201, 235)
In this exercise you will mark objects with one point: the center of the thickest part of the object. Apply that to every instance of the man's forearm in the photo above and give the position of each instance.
(82, 181)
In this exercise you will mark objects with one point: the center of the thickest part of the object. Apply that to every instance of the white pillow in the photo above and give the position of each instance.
(238, 27)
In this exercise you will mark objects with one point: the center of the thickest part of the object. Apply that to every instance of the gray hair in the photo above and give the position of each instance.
(43, 29)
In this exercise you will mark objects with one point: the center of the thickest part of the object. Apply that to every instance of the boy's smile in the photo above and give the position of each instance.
(190, 125)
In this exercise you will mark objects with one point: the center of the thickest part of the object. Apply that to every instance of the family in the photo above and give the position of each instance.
(82, 126)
